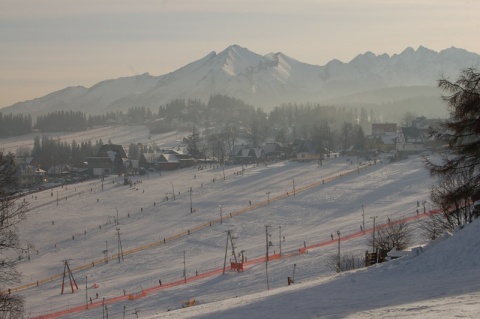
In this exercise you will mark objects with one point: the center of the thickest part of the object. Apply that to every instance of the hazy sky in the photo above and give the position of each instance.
(48, 45)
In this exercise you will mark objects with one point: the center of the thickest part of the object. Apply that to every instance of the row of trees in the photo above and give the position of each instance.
(61, 121)
(68, 121)
(104, 119)
(49, 151)
(299, 120)
(12, 125)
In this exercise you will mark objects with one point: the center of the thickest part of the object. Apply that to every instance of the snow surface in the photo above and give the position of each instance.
(439, 280)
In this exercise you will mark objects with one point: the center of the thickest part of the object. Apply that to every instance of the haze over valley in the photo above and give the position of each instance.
(390, 85)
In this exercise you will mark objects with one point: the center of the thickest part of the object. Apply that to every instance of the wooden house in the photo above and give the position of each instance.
(306, 151)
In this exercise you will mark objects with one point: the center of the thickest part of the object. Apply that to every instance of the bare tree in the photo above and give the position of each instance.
(230, 133)
(216, 144)
(347, 129)
(318, 137)
(433, 226)
(347, 262)
(304, 129)
(454, 211)
(394, 234)
(452, 195)
(11, 306)
(407, 119)
(281, 135)
(327, 126)
(12, 212)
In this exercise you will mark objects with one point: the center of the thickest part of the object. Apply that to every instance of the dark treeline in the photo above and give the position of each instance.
(222, 120)
(68, 121)
(12, 125)
(181, 110)
(304, 117)
(62, 121)
(139, 115)
(218, 109)
(100, 120)
(49, 151)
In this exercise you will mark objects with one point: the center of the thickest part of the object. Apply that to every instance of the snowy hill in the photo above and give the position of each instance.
(306, 203)
(435, 281)
(262, 80)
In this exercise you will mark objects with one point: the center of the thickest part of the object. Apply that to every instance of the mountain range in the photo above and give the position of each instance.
(266, 81)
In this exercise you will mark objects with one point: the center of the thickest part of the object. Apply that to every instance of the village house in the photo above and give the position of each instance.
(148, 160)
(243, 154)
(59, 170)
(306, 151)
(380, 128)
(382, 141)
(165, 160)
(100, 166)
(26, 175)
(412, 140)
(274, 151)
(383, 138)
(111, 159)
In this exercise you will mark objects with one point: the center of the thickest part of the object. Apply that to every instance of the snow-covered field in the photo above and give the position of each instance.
(438, 281)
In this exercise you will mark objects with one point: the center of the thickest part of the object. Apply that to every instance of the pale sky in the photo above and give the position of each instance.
(48, 45)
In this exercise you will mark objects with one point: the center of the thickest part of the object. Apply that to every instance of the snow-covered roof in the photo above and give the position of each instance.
(258, 152)
(171, 158)
(389, 138)
(394, 253)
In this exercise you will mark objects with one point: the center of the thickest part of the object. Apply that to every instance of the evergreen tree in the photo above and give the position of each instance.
(75, 155)
(133, 152)
(458, 170)
(11, 125)
(358, 138)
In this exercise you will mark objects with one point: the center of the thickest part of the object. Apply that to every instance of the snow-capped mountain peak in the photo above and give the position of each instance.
(262, 80)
